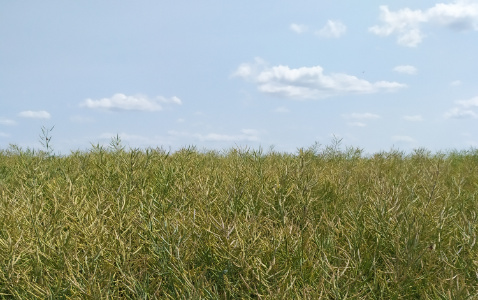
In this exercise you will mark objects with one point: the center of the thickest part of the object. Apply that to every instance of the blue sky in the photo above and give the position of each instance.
(215, 74)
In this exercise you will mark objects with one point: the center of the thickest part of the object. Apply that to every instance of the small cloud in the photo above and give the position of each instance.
(402, 139)
(250, 70)
(123, 102)
(298, 28)
(7, 122)
(40, 114)
(459, 113)
(174, 100)
(308, 82)
(406, 69)
(357, 124)
(175, 133)
(250, 132)
(361, 116)
(455, 83)
(473, 102)
(405, 23)
(333, 29)
(281, 110)
(414, 118)
(250, 135)
(464, 110)
(3, 134)
(180, 120)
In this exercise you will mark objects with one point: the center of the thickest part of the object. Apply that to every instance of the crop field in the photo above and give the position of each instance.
(323, 223)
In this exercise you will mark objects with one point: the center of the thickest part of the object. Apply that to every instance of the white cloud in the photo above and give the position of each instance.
(405, 23)
(40, 114)
(465, 109)
(7, 122)
(455, 83)
(3, 134)
(250, 132)
(473, 102)
(175, 133)
(403, 139)
(361, 116)
(250, 135)
(333, 29)
(250, 70)
(460, 15)
(459, 113)
(308, 82)
(123, 102)
(298, 28)
(174, 100)
(414, 118)
(406, 69)
(357, 124)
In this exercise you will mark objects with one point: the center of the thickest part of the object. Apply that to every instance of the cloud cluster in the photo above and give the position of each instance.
(123, 102)
(460, 15)
(464, 110)
(308, 82)
(39, 114)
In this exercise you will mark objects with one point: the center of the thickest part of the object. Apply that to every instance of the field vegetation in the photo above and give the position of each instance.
(323, 223)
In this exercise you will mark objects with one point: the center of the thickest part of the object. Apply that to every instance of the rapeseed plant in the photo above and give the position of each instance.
(324, 223)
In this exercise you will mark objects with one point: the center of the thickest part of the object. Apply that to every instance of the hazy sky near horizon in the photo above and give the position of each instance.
(379, 75)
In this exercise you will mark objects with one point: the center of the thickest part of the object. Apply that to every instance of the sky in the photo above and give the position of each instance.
(377, 75)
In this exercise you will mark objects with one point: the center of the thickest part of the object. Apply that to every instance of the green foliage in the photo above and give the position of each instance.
(241, 224)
